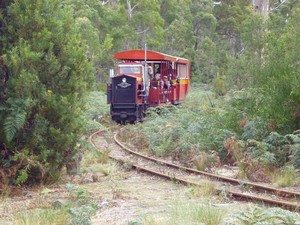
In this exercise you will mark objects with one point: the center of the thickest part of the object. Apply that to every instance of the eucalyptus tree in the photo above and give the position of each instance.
(204, 22)
(248, 64)
(230, 16)
(171, 10)
(281, 74)
(93, 23)
(145, 23)
(49, 76)
(178, 36)
(204, 49)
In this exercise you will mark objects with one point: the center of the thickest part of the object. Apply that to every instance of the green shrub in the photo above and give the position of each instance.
(188, 129)
(82, 207)
(255, 129)
(261, 152)
(286, 177)
(81, 215)
(257, 216)
(42, 105)
(219, 85)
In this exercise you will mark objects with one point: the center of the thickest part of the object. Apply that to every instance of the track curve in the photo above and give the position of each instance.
(284, 203)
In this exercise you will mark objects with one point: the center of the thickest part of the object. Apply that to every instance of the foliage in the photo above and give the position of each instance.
(81, 215)
(279, 74)
(186, 130)
(254, 129)
(83, 206)
(219, 85)
(206, 189)
(259, 216)
(96, 108)
(295, 150)
(48, 76)
(205, 58)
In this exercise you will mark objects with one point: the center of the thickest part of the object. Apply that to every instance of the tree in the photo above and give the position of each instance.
(230, 16)
(279, 80)
(93, 25)
(204, 22)
(204, 61)
(145, 20)
(49, 76)
(179, 37)
(170, 11)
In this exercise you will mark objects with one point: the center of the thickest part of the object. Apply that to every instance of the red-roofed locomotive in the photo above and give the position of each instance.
(144, 79)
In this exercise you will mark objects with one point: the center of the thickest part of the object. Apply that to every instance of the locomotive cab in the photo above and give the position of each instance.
(132, 69)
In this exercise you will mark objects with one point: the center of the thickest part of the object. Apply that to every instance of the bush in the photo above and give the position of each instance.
(256, 216)
(219, 85)
(188, 129)
(295, 150)
(42, 104)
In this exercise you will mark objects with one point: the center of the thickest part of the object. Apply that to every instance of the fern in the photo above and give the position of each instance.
(14, 114)
(260, 216)
(9, 128)
(13, 123)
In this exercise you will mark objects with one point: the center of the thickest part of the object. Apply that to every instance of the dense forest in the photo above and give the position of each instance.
(54, 52)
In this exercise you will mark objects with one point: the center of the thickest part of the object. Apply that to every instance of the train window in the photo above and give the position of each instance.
(182, 70)
(130, 69)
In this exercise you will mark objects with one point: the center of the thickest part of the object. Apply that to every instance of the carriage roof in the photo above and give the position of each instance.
(139, 55)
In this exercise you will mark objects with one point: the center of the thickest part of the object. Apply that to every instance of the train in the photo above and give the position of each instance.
(144, 79)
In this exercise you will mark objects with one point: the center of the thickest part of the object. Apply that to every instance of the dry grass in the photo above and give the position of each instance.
(205, 161)
(286, 177)
(49, 216)
(105, 169)
(183, 213)
(205, 190)
(92, 157)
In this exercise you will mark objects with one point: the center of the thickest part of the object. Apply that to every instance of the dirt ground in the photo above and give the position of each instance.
(123, 197)
(134, 197)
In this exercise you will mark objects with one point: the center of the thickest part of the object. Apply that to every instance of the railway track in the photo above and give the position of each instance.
(237, 189)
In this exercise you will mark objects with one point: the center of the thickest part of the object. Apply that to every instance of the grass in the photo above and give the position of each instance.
(49, 216)
(105, 169)
(205, 190)
(193, 213)
(286, 177)
(93, 157)
(97, 109)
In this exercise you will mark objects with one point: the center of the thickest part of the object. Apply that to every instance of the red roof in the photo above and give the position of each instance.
(139, 55)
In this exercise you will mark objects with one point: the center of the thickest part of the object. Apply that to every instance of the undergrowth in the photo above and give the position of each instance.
(97, 109)
(205, 122)
(186, 130)
(259, 216)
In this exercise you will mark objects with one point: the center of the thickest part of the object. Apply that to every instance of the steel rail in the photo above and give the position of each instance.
(234, 194)
(256, 186)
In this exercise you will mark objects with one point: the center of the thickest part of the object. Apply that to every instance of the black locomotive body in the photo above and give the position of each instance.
(125, 105)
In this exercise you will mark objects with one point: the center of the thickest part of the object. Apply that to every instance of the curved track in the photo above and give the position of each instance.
(233, 187)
